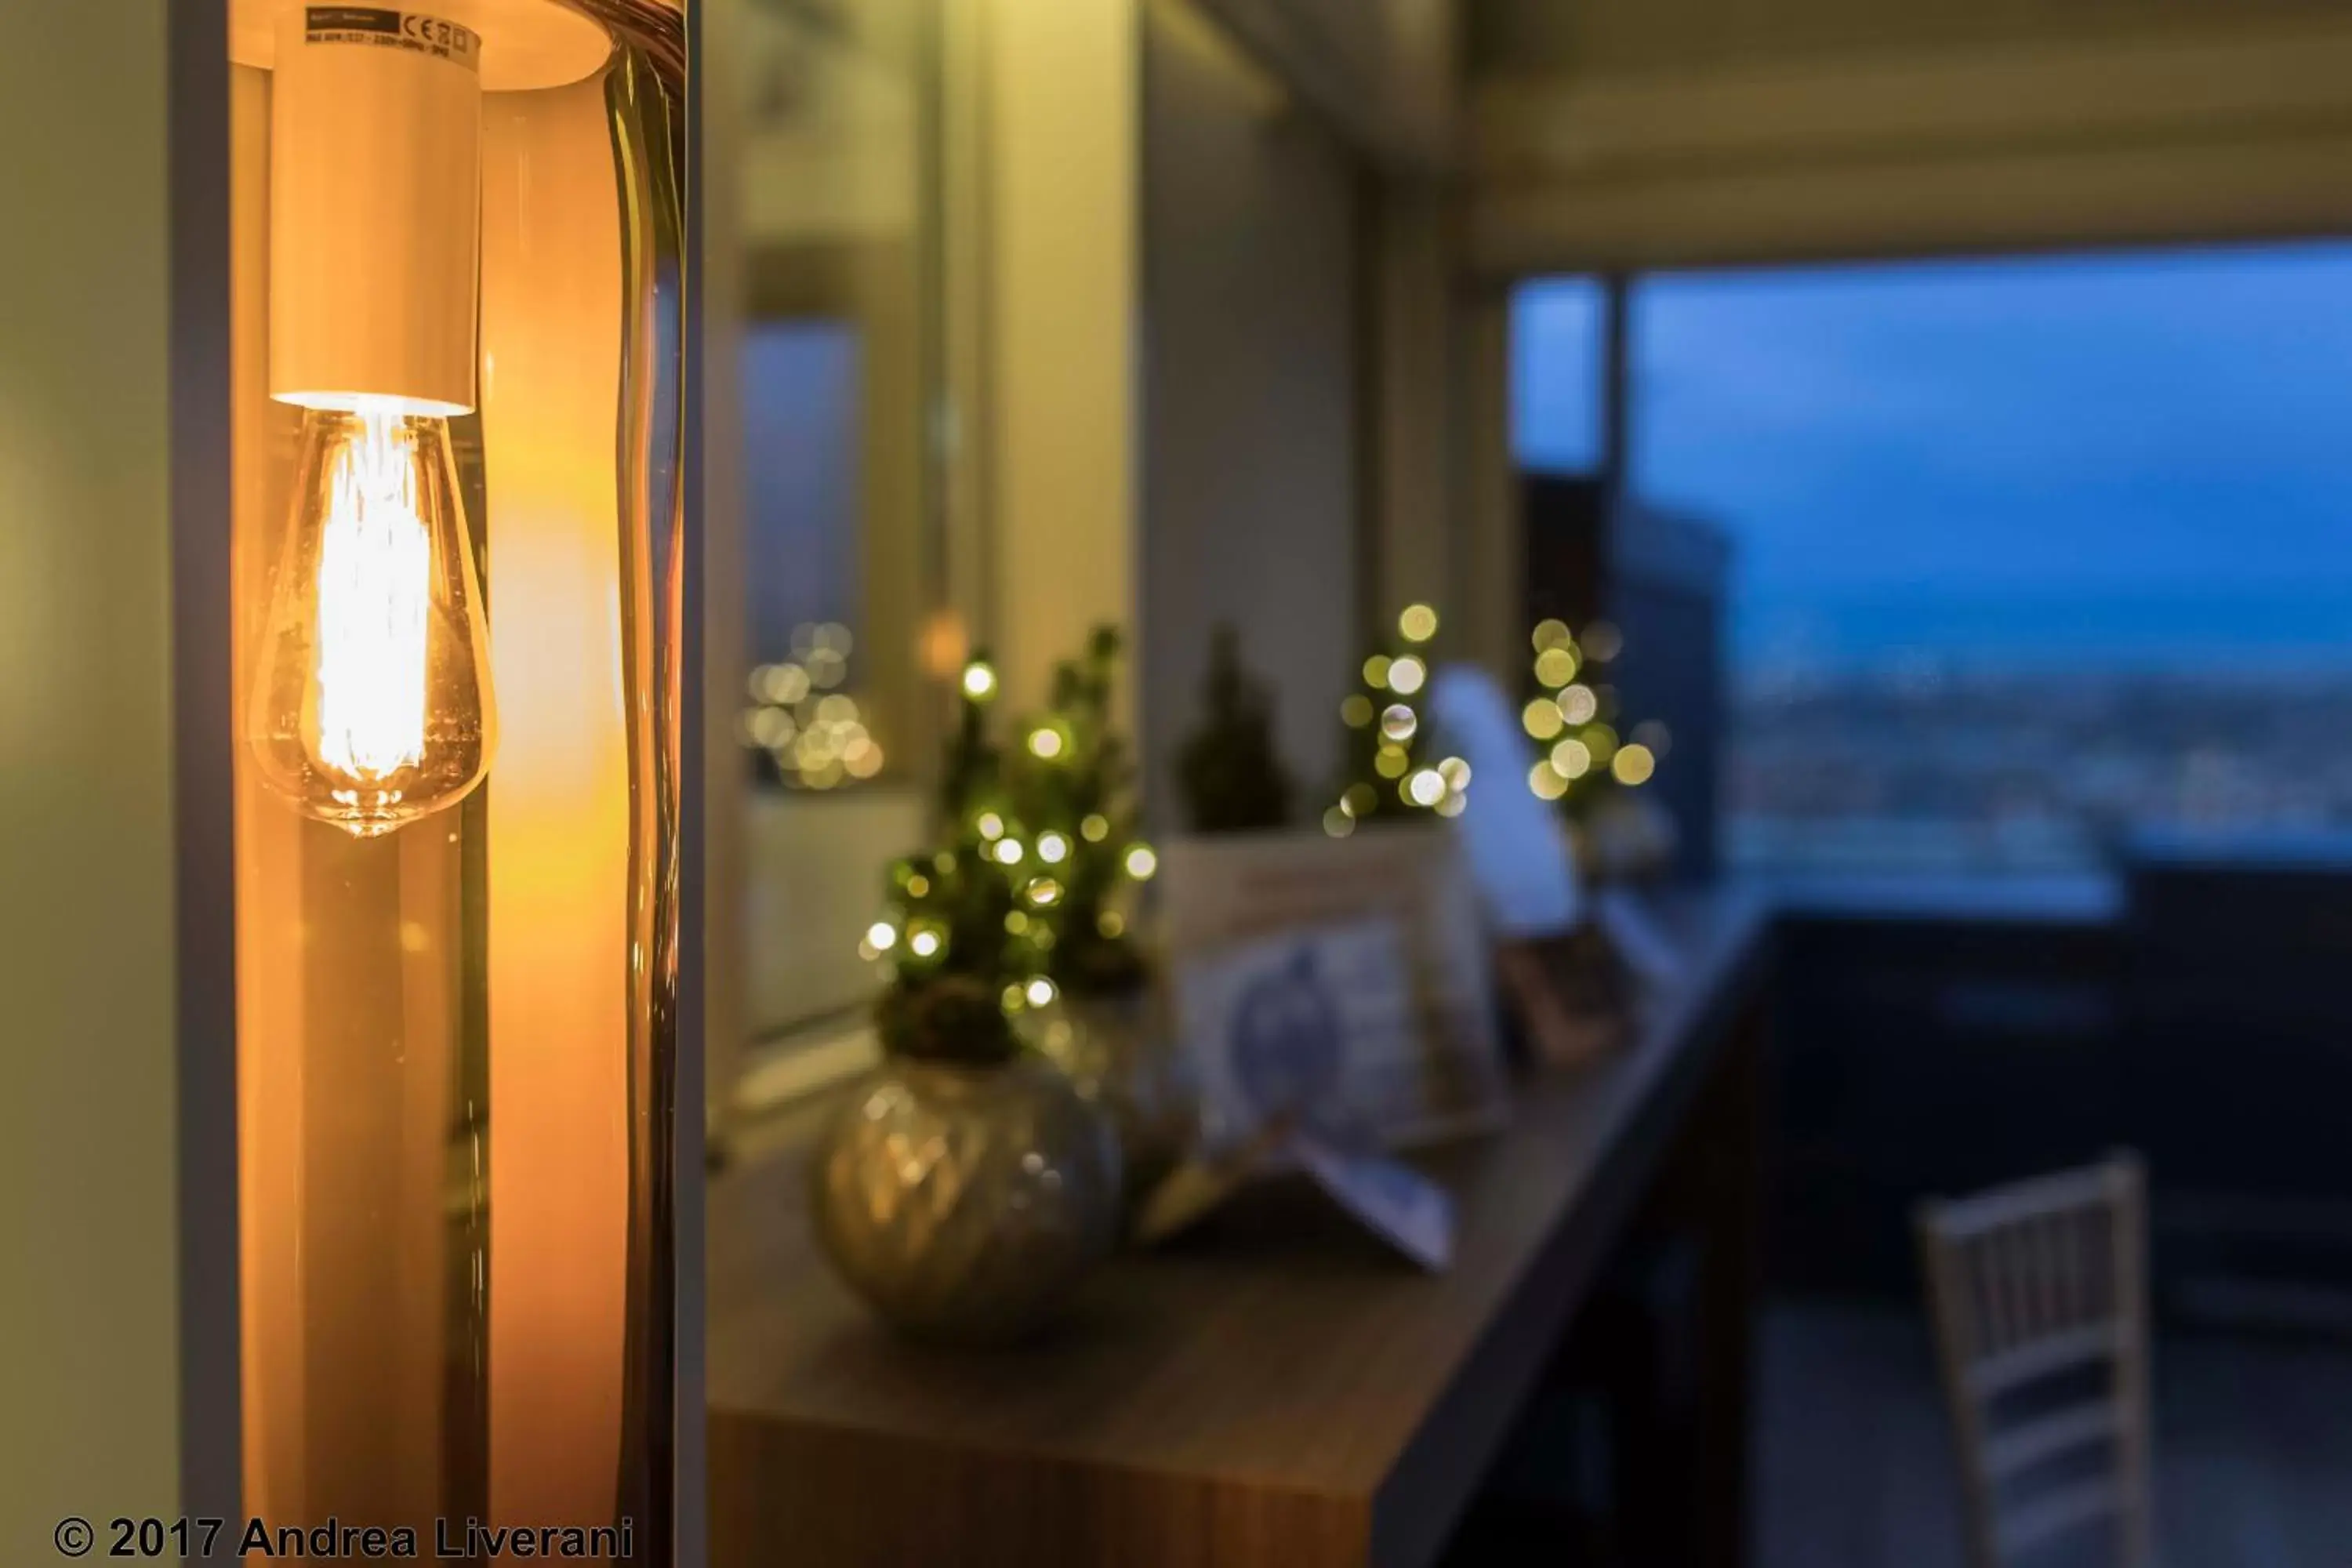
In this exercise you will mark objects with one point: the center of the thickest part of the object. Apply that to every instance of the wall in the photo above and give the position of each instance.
(87, 1139)
(1251, 464)
(1057, 295)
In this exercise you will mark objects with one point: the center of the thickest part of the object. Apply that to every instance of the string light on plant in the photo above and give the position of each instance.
(1543, 721)
(1053, 848)
(1391, 769)
(1578, 705)
(1633, 765)
(1046, 743)
(1095, 828)
(1041, 992)
(882, 936)
(1141, 861)
(980, 680)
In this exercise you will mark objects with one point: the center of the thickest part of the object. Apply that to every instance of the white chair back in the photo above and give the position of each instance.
(2035, 1288)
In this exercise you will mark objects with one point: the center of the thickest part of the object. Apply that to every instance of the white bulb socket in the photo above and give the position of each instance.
(375, 209)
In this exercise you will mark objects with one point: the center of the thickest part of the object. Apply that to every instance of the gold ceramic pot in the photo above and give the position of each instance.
(967, 1203)
(1120, 1053)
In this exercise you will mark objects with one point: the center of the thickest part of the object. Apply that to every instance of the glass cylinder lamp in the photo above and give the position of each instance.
(456, 357)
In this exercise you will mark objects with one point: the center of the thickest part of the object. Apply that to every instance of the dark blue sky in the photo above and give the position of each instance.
(2136, 459)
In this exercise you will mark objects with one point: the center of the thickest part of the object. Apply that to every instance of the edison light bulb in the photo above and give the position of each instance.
(371, 703)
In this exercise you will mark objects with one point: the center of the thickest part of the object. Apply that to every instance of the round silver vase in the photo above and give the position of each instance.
(966, 1204)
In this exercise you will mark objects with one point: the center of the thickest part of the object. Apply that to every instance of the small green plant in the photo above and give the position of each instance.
(1232, 775)
(1027, 890)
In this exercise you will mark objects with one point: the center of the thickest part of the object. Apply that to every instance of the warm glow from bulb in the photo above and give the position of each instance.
(1141, 862)
(1405, 674)
(1418, 623)
(979, 682)
(882, 935)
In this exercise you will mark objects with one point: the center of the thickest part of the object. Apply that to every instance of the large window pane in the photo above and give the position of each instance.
(2031, 555)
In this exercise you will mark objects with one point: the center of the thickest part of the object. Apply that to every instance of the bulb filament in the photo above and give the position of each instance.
(374, 589)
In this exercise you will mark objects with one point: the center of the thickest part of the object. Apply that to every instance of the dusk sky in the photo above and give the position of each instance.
(2123, 459)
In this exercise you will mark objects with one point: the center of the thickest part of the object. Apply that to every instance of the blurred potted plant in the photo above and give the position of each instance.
(965, 1188)
(1394, 771)
(1231, 776)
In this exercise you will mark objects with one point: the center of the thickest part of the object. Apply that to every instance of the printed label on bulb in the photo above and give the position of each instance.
(379, 28)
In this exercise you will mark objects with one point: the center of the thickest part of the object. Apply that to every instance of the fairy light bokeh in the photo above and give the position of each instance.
(801, 719)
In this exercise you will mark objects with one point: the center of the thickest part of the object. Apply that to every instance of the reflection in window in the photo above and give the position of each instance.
(803, 720)
(842, 569)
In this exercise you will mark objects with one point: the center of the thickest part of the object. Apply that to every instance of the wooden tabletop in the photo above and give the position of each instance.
(1275, 1387)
